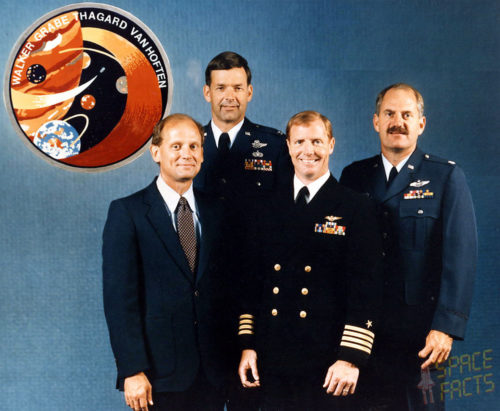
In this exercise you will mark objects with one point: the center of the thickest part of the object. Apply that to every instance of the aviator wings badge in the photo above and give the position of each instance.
(419, 183)
(257, 144)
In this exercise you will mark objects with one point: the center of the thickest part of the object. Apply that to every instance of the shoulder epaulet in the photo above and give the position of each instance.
(267, 130)
(435, 159)
(367, 162)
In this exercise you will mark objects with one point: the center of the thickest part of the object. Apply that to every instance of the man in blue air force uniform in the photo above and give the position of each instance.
(163, 282)
(429, 235)
(241, 158)
(244, 163)
(312, 287)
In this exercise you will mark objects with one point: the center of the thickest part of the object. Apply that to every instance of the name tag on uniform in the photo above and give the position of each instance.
(418, 194)
(258, 164)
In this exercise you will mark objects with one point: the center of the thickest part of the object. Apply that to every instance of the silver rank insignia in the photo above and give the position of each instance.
(419, 183)
(257, 144)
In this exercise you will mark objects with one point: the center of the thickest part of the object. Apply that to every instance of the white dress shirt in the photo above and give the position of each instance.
(171, 199)
(232, 133)
(388, 166)
(312, 187)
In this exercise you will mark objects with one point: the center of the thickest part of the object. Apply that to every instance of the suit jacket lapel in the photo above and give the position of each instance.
(405, 176)
(240, 143)
(209, 147)
(208, 233)
(160, 220)
(329, 186)
(378, 180)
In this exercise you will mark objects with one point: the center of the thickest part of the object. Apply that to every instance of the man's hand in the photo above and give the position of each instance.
(248, 362)
(341, 378)
(138, 392)
(437, 348)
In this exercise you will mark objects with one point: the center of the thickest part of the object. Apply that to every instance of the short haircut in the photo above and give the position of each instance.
(307, 117)
(400, 86)
(226, 61)
(171, 120)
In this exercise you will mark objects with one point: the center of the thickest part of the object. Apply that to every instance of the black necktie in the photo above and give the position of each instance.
(186, 233)
(223, 144)
(392, 176)
(302, 197)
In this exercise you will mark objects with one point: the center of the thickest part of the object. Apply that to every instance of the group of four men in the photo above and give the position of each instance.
(246, 250)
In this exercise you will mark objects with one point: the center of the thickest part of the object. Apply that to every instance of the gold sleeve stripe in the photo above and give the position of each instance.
(357, 341)
(359, 335)
(245, 332)
(359, 330)
(357, 347)
(246, 327)
(246, 321)
(243, 316)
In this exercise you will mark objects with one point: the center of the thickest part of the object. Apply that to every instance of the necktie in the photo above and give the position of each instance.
(186, 233)
(392, 176)
(223, 144)
(302, 197)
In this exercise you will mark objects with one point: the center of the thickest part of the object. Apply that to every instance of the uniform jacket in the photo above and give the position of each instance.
(258, 162)
(312, 282)
(162, 321)
(429, 229)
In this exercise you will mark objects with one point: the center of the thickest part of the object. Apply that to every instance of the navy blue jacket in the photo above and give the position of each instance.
(258, 162)
(429, 230)
(162, 321)
(313, 282)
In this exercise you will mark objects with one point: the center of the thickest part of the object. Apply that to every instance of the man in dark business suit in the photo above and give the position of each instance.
(429, 235)
(163, 286)
(312, 290)
(242, 158)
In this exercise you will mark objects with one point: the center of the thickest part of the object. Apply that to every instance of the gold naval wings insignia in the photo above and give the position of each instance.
(332, 218)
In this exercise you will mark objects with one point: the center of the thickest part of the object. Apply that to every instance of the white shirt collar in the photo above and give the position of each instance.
(232, 133)
(388, 166)
(312, 187)
(171, 197)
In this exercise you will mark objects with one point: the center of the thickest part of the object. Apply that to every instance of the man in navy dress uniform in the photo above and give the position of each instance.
(163, 282)
(429, 235)
(242, 159)
(313, 282)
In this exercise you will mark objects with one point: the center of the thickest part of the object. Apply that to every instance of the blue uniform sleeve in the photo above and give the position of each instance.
(459, 255)
(122, 282)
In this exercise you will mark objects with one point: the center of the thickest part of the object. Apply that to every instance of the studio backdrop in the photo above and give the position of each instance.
(76, 136)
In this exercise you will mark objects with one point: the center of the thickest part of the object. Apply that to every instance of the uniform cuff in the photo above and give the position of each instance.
(246, 335)
(356, 344)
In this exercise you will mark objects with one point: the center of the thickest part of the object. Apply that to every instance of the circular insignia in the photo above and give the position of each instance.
(85, 85)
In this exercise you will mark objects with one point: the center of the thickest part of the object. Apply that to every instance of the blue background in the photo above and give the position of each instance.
(330, 56)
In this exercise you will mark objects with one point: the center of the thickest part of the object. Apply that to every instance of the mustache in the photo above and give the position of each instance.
(397, 130)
